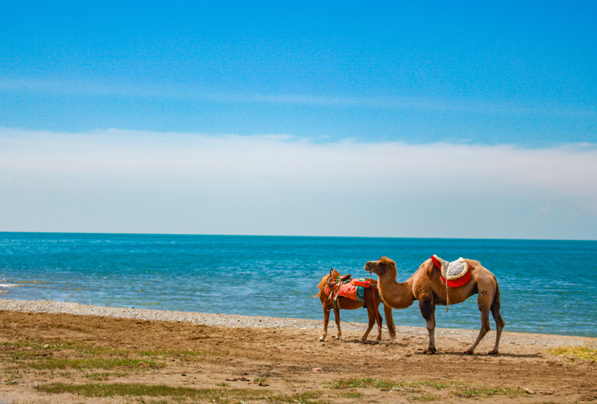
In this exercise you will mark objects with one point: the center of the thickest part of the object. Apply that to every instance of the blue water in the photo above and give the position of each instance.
(546, 286)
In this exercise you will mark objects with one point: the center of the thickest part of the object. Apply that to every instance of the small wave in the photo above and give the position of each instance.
(31, 283)
(8, 285)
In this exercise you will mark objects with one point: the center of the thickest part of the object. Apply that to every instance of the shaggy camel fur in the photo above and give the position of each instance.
(426, 286)
(371, 303)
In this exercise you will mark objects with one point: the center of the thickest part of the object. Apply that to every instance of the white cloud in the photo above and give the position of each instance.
(126, 181)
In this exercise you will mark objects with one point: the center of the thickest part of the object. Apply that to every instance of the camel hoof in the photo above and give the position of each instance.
(429, 351)
(321, 339)
(469, 352)
(493, 352)
(377, 341)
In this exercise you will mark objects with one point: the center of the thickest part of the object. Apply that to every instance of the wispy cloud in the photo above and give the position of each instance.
(190, 92)
(118, 180)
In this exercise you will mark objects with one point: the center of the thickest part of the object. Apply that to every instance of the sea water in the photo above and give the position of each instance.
(546, 286)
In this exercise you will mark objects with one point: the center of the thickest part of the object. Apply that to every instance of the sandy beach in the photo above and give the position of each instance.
(55, 352)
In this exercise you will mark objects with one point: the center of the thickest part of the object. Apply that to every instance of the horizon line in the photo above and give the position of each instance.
(288, 236)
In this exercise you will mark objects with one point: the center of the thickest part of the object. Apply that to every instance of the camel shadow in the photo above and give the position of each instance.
(367, 342)
(481, 354)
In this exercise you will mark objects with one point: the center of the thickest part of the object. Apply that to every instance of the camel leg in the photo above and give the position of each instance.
(337, 317)
(485, 301)
(499, 322)
(379, 320)
(484, 329)
(390, 322)
(370, 325)
(373, 313)
(326, 319)
(428, 312)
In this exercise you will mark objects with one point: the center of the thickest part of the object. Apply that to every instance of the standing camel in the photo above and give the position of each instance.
(371, 303)
(426, 286)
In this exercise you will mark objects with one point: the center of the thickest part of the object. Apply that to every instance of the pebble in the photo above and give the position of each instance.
(227, 320)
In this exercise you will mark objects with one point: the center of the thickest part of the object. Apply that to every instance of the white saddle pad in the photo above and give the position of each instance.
(453, 270)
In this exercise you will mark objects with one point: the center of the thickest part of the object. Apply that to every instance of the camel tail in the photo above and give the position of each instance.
(496, 299)
(495, 311)
(321, 285)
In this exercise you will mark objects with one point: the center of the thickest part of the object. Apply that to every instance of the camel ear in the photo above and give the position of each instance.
(385, 261)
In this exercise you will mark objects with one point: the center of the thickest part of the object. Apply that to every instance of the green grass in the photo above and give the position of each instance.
(34, 346)
(352, 394)
(371, 382)
(579, 352)
(424, 397)
(36, 354)
(364, 383)
(99, 376)
(308, 397)
(179, 393)
(92, 363)
(454, 389)
(146, 390)
(431, 383)
(480, 392)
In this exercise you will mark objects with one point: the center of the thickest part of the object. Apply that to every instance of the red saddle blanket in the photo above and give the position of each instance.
(348, 290)
(454, 281)
(354, 289)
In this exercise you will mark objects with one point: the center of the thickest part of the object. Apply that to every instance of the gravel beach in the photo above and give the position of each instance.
(227, 320)
(56, 352)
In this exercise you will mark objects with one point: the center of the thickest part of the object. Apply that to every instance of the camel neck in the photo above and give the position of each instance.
(394, 294)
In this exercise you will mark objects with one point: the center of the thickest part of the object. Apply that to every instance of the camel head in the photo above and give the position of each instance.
(382, 266)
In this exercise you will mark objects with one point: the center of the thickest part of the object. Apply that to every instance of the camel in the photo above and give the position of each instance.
(371, 303)
(426, 286)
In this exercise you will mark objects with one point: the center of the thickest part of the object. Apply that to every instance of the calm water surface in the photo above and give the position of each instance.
(546, 286)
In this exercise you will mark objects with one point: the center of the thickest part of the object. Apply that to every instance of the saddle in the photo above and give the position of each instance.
(456, 272)
(342, 285)
(339, 280)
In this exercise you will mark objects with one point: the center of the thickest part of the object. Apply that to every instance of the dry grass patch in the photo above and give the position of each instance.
(579, 352)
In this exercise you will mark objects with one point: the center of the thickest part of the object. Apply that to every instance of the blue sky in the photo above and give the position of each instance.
(306, 80)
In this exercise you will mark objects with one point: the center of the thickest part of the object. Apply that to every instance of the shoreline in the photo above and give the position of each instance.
(545, 341)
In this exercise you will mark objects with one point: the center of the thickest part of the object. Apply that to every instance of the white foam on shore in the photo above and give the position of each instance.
(8, 285)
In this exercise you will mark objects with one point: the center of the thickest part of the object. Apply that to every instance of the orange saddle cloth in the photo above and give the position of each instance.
(349, 291)
(355, 289)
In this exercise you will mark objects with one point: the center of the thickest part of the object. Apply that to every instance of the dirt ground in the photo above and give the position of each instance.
(225, 364)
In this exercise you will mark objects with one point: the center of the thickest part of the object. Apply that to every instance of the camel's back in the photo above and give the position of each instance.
(427, 279)
(479, 272)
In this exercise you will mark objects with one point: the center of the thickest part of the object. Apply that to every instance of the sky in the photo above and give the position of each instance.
(375, 119)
